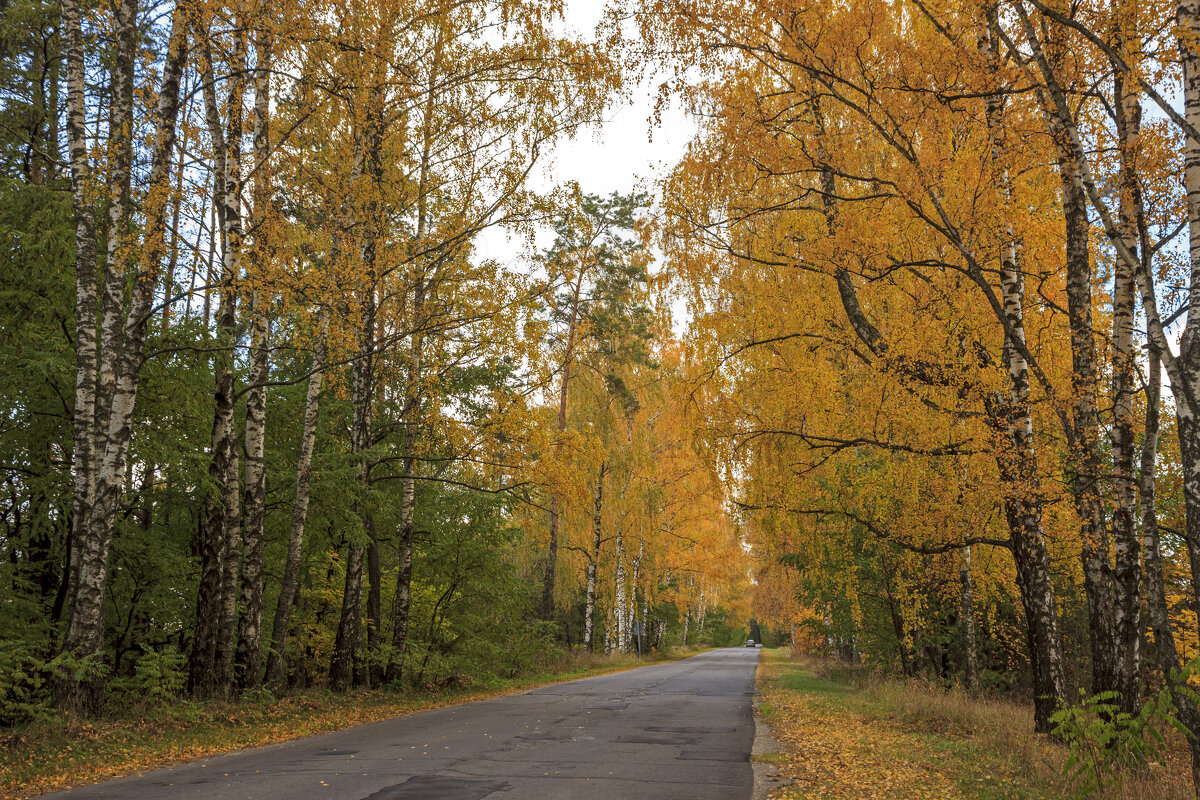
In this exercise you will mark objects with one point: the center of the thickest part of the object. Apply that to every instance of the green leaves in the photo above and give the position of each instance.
(1106, 743)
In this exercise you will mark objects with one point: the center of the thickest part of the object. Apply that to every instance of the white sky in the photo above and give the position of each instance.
(623, 153)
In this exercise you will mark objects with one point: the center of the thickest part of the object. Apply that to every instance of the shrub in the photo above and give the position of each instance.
(1106, 743)
(24, 690)
(158, 677)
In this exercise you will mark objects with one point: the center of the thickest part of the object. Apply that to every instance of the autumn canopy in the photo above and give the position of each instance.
(900, 361)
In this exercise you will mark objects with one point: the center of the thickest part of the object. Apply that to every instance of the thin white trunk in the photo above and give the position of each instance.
(593, 559)
(967, 621)
(291, 568)
(211, 666)
(622, 629)
(104, 460)
(249, 647)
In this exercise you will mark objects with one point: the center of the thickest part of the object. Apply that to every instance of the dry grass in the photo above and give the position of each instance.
(985, 745)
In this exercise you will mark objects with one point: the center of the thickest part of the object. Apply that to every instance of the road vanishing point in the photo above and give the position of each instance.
(677, 730)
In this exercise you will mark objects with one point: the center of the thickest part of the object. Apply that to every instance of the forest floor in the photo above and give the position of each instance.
(58, 753)
(849, 734)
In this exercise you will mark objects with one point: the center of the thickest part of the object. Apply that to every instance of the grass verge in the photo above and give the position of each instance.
(849, 734)
(58, 753)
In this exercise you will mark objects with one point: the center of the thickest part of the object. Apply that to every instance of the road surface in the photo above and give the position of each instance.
(679, 730)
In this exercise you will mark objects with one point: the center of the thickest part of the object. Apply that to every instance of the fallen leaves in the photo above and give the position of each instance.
(836, 753)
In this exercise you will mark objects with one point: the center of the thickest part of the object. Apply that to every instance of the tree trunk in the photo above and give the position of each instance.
(1085, 464)
(408, 501)
(343, 669)
(349, 631)
(85, 623)
(83, 457)
(103, 465)
(254, 504)
(212, 647)
(620, 600)
(593, 560)
(410, 414)
(231, 527)
(121, 241)
(631, 606)
(1017, 459)
(609, 636)
(374, 666)
(1162, 638)
(1126, 545)
(966, 614)
(291, 569)
(344, 666)
(249, 648)
(1185, 378)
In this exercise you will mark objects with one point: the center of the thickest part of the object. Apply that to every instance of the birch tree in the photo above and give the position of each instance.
(108, 367)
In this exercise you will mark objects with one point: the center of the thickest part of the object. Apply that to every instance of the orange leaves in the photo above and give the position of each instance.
(835, 753)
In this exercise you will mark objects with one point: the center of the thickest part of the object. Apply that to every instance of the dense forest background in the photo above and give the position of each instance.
(272, 420)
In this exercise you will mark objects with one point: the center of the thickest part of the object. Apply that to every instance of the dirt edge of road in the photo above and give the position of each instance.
(764, 753)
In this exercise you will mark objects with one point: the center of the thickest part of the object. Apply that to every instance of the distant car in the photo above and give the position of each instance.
(750, 643)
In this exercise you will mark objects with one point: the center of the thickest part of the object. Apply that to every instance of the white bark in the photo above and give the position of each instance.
(593, 560)
(291, 568)
(249, 647)
(103, 462)
(620, 599)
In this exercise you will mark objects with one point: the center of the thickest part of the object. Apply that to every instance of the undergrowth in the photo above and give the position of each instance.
(934, 742)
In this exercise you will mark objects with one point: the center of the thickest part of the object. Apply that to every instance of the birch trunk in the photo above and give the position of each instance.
(1023, 511)
(121, 245)
(349, 633)
(1162, 637)
(103, 464)
(619, 600)
(343, 668)
(1085, 466)
(408, 500)
(632, 604)
(364, 396)
(1185, 377)
(85, 285)
(1017, 460)
(1114, 664)
(1182, 370)
(967, 621)
(1126, 544)
(291, 568)
(212, 653)
(375, 670)
(374, 228)
(608, 632)
(231, 529)
(254, 504)
(204, 642)
(410, 414)
(593, 560)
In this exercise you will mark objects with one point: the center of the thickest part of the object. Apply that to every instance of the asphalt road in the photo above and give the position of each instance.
(679, 730)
